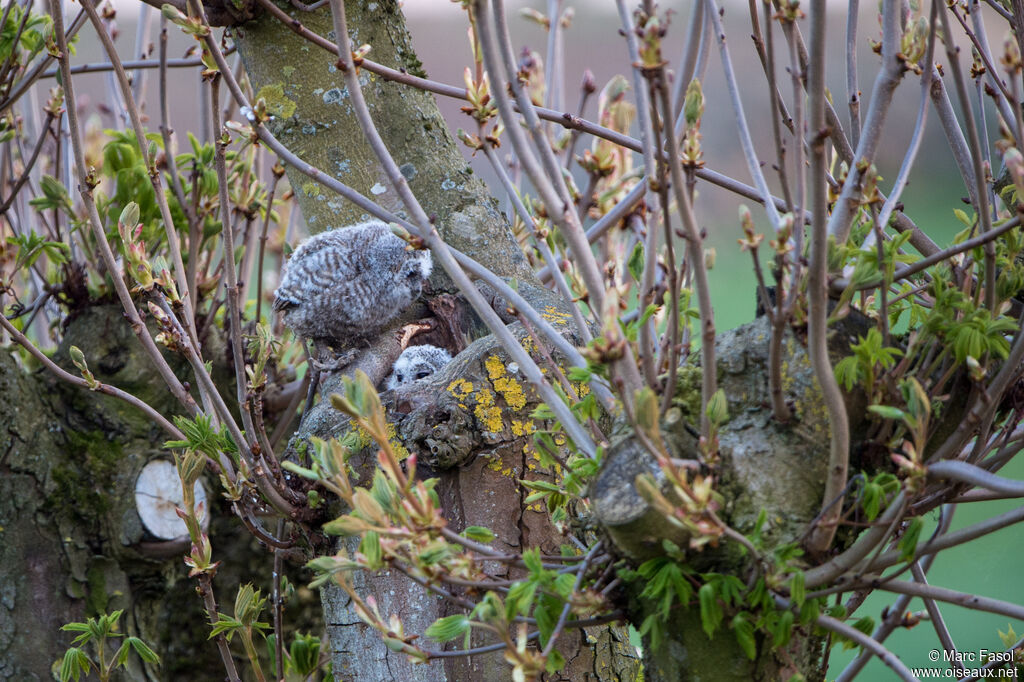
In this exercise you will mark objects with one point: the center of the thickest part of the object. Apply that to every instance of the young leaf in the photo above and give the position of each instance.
(448, 628)
(74, 664)
(710, 609)
(479, 534)
(744, 632)
(797, 590)
(908, 543)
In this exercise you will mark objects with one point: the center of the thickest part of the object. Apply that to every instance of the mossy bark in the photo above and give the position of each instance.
(71, 543)
(68, 544)
(765, 466)
(301, 85)
(305, 91)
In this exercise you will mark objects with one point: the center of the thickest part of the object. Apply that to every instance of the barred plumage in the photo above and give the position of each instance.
(344, 286)
(415, 363)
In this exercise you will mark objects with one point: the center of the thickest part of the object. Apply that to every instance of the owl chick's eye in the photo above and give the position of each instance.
(422, 374)
(399, 377)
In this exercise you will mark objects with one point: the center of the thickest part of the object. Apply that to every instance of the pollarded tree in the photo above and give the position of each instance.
(575, 466)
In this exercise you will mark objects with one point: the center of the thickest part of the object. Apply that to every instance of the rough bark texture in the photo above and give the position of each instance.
(71, 542)
(313, 117)
(477, 432)
(69, 546)
(32, 604)
(765, 465)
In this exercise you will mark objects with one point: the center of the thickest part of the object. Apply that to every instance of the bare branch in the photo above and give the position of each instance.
(817, 295)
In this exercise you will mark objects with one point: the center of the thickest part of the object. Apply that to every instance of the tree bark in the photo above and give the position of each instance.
(68, 459)
(765, 465)
(484, 448)
(71, 542)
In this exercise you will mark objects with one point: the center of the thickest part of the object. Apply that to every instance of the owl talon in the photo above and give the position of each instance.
(337, 363)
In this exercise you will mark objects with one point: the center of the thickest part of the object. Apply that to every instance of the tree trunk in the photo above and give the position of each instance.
(68, 459)
(485, 449)
(72, 542)
(765, 465)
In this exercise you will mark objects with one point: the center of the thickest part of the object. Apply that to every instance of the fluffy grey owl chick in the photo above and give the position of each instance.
(344, 286)
(415, 363)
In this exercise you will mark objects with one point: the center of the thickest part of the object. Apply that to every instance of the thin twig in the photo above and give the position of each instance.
(545, 173)
(277, 603)
(539, 242)
(27, 164)
(962, 472)
(173, 243)
(85, 189)
(817, 295)
(263, 240)
(646, 293)
(98, 387)
(746, 142)
(768, 61)
(210, 602)
(941, 631)
(886, 81)
(440, 250)
(835, 625)
(839, 284)
(560, 625)
(974, 142)
(562, 118)
(852, 89)
(26, 82)
(953, 539)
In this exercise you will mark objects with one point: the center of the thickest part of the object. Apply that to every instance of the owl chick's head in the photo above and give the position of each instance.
(416, 270)
(415, 363)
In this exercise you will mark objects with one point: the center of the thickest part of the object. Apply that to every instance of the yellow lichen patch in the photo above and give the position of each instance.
(278, 103)
(512, 391)
(495, 367)
(552, 314)
(460, 388)
(522, 428)
(363, 436)
(486, 411)
(490, 417)
(396, 444)
(393, 440)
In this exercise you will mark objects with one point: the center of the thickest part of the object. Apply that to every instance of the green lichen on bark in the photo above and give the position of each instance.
(323, 131)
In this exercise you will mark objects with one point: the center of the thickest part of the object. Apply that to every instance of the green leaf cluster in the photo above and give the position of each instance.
(96, 632)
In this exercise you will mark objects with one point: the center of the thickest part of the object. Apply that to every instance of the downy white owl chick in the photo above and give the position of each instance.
(415, 363)
(342, 287)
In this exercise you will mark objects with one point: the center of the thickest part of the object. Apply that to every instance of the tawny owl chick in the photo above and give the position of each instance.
(415, 363)
(342, 287)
